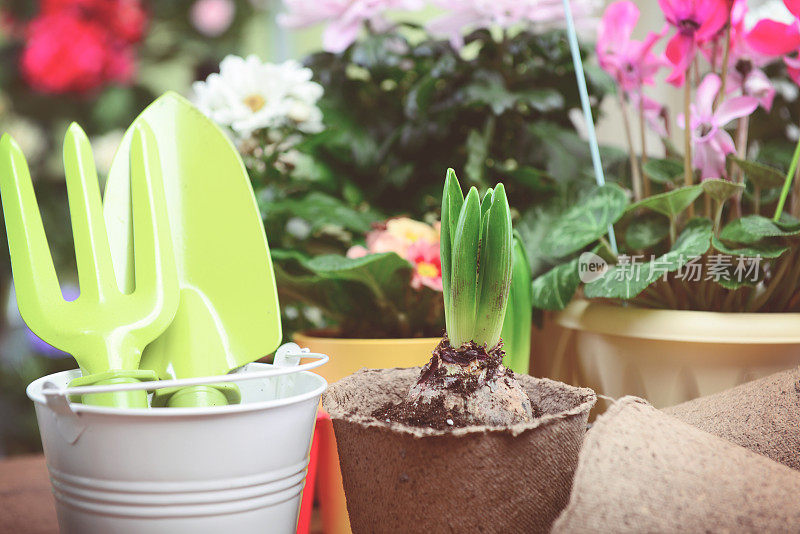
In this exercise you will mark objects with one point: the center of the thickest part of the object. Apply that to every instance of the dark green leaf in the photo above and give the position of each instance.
(670, 203)
(477, 151)
(764, 248)
(721, 190)
(585, 222)
(646, 231)
(555, 288)
(663, 171)
(761, 175)
(625, 281)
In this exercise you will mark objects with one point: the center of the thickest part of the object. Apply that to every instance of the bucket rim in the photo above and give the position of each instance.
(34, 391)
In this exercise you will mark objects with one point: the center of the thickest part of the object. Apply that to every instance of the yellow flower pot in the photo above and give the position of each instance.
(671, 356)
(346, 357)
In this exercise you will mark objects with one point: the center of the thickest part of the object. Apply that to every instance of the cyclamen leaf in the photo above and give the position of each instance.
(764, 248)
(646, 231)
(627, 281)
(754, 228)
(663, 171)
(670, 203)
(761, 175)
(586, 222)
(721, 190)
(554, 289)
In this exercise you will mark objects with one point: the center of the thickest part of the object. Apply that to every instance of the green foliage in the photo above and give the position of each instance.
(670, 203)
(627, 280)
(664, 171)
(367, 297)
(554, 289)
(585, 222)
(399, 114)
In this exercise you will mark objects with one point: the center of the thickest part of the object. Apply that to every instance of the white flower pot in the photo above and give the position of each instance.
(671, 356)
(237, 468)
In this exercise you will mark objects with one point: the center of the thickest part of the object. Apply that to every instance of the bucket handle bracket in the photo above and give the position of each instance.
(68, 422)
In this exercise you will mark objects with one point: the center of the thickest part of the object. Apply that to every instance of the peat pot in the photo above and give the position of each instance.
(671, 356)
(399, 478)
(238, 468)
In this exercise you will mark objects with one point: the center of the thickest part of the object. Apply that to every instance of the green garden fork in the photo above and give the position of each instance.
(104, 328)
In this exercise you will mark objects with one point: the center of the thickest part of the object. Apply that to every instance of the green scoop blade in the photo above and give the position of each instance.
(228, 313)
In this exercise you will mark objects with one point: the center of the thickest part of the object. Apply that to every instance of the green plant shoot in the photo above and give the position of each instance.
(476, 255)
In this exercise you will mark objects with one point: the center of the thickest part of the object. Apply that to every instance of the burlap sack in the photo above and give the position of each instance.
(763, 416)
(475, 479)
(641, 470)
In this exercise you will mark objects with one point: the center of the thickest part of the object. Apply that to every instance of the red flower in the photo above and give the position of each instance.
(82, 45)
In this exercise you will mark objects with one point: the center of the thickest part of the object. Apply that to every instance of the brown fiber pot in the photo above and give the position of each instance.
(641, 470)
(399, 478)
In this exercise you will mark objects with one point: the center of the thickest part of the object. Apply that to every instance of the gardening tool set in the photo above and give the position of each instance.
(176, 291)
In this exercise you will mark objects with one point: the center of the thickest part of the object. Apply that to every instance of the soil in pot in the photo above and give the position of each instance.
(463, 387)
(408, 477)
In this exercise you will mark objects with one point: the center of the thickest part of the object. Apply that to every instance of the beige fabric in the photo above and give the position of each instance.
(641, 470)
(475, 479)
(763, 416)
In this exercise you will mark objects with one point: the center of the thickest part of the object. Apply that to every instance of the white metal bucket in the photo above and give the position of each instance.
(219, 470)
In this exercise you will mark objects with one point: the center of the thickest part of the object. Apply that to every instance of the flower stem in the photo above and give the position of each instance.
(636, 177)
(787, 183)
(687, 133)
(643, 140)
(742, 127)
(725, 59)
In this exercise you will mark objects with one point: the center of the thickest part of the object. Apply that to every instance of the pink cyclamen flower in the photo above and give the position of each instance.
(465, 15)
(427, 264)
(777, 38)
(345, 18)
(695, 22)
(710, 142)
(212, 17)
(631, 63)
(744, 63)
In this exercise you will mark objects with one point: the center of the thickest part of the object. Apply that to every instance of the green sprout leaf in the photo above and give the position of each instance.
(452, 200)
(494, 267)
(464, 278)
(516, 331)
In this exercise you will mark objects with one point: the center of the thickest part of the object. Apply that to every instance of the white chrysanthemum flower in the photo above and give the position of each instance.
(249, 95)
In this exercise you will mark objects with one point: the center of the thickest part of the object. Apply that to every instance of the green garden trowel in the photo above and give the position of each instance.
(105, 329)
(228, 314)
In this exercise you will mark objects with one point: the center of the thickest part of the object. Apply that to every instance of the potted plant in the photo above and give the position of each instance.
(420, 447)
(700, 290)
